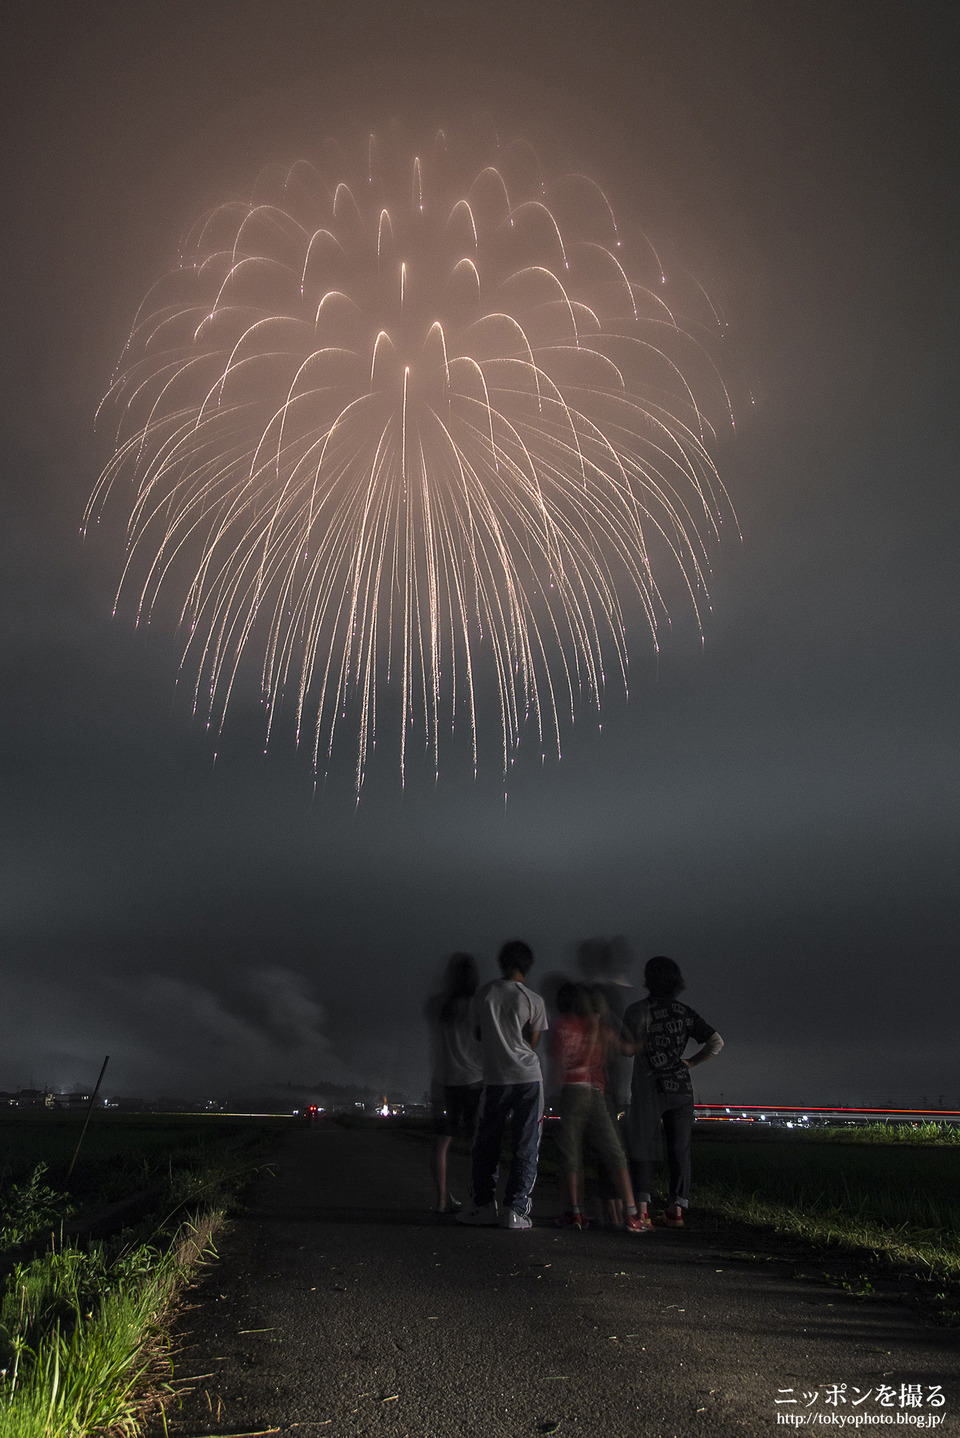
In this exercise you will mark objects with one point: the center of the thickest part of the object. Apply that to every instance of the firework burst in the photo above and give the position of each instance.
(399, 422)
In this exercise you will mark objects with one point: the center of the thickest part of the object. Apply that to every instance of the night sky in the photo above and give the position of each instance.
(775, 807)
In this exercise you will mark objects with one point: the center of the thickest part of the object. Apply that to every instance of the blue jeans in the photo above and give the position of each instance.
(522, 1104)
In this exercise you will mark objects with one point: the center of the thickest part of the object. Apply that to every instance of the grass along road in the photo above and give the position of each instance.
(82, 1318)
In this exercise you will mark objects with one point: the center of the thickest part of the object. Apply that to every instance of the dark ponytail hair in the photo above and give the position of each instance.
(462, 982)
(574, 999)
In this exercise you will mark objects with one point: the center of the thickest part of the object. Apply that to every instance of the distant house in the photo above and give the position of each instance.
(34, 1098)
(76, 1099)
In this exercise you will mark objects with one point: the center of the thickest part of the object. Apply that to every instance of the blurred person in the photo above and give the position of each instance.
(456, 1080)
(578, 1043)
(661, 1092)
(508, 1019)
(618, 1054)
(606, 966)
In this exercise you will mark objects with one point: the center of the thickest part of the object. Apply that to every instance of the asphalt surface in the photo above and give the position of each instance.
(341, 1306)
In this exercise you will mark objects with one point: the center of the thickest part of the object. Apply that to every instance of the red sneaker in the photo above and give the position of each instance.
(569, 1219)
(668, 1220)
(637, 1223)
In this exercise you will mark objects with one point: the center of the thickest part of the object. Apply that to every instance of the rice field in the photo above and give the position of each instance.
(881, 1177)
(81, 1317)
(887, 1199)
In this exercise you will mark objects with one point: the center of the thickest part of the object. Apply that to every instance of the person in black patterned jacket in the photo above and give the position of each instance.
(661, 1093)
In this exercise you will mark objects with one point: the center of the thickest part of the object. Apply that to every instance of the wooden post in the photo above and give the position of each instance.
(93, 1099)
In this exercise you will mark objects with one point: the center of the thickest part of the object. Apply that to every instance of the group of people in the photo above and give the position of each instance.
(487, 1075)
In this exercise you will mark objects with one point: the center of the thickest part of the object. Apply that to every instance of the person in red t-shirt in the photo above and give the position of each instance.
(578, 1041)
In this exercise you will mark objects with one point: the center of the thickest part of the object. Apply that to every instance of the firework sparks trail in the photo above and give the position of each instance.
(420, 428)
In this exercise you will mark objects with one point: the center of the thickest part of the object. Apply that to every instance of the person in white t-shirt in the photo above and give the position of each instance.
(508, 1019)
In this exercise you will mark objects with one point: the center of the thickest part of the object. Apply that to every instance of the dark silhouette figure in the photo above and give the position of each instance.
(661, 1093)
(456, 1079)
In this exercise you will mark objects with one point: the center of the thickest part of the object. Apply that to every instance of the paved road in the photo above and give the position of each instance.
(341, 1307)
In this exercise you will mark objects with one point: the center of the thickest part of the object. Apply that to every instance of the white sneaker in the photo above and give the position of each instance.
(513, 1219)
(485, 1217)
